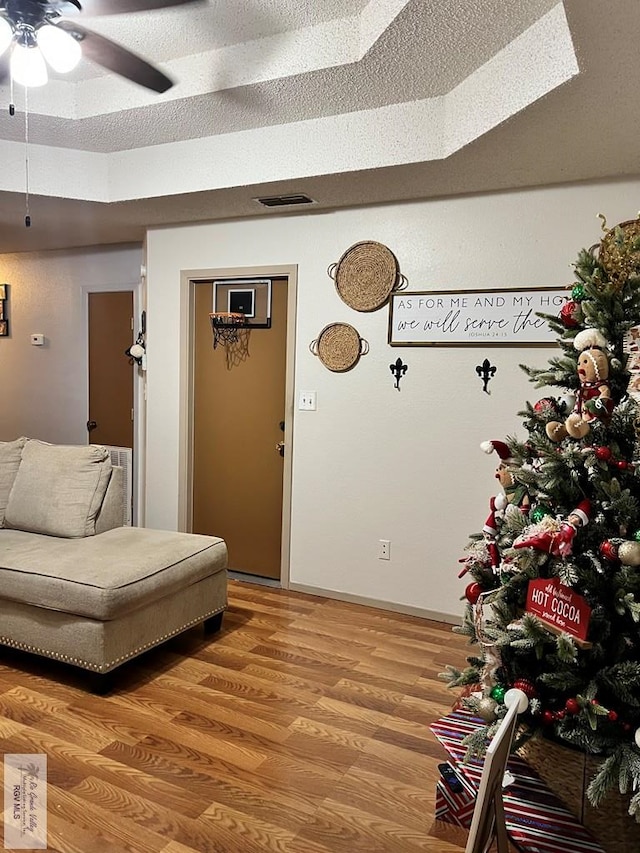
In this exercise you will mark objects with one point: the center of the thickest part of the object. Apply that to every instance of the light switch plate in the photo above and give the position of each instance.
(307, 401)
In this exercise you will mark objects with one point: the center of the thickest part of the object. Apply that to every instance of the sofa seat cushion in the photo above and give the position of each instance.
(103, 577)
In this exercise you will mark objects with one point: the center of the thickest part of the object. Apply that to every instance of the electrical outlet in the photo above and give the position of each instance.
(307, 401)
(384, 549)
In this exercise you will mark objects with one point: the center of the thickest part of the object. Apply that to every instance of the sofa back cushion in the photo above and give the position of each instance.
(58, 489)
(10, 456)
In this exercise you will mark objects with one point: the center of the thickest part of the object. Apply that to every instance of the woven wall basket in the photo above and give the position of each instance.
(339, 347)
(366, 275)
(568, 773)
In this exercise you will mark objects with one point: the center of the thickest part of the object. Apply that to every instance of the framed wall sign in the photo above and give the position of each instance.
(248, 296)
(474, 317)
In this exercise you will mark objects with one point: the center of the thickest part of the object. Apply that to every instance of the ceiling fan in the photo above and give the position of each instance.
(34, 31)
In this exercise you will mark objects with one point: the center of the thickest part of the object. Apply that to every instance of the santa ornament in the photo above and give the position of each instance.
(514, 492)
(490, 528)
(553, 536)
(593, 400)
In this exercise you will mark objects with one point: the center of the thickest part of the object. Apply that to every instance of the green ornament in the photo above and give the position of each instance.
(539, 512)
(636, 535)
(577, 292)
(498, 692)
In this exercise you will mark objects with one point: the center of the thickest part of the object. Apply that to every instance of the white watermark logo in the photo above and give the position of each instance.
(25, 802)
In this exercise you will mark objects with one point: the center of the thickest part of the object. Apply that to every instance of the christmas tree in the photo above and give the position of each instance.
(553, 580)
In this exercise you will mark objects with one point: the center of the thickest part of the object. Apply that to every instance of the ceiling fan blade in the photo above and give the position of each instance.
(122, 7)
(116, 58)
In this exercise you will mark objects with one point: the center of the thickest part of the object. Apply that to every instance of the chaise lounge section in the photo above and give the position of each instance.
(77, 586)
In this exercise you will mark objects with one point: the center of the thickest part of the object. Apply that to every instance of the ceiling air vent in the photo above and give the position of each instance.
(285, 200)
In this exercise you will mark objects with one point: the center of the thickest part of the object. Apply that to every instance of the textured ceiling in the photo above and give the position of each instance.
(422, 98)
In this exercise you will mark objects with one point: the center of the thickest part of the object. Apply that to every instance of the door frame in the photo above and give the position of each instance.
(189, 279)
(138, 384)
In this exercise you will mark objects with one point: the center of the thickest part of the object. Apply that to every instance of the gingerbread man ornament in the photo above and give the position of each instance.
(593, 399)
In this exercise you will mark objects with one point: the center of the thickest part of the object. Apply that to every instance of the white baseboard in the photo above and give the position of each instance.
(381, 605)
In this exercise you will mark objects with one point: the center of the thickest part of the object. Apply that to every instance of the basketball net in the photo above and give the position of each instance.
(232, 332)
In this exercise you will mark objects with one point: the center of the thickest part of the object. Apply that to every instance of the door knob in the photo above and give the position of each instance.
(91, 425)
(280, 448)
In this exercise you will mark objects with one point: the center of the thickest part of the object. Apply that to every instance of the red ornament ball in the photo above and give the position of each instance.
(548, 717)
(609, 550)
(572, 706)
(560, 715)
(546, 406)
(603, 453)
(472, 592)
(526, 686)
(613, 716)
(570, 314)
(622, 465)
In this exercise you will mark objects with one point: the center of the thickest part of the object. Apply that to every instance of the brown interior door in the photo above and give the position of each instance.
(238, 424)
(110, 374)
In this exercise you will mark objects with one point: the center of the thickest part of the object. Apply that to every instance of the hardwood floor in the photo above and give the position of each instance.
(302, 727)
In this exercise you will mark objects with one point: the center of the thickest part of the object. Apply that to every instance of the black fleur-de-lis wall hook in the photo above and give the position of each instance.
(486, 371)
(398, 369)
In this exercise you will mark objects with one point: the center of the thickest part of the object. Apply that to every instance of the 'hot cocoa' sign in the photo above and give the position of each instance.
(559, 607)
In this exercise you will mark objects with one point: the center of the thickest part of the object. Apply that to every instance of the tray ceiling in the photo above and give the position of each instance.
(348, 101)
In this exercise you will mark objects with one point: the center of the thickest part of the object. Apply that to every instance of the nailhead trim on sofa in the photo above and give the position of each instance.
(25, 647)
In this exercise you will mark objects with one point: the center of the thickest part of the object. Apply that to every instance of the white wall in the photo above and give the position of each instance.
(44, 389)
(373, 463)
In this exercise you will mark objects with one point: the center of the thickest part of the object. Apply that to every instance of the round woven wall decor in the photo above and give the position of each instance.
(366, 275)
(339, 347)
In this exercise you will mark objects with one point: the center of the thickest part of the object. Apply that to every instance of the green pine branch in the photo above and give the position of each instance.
(460, 678)
(622, 680)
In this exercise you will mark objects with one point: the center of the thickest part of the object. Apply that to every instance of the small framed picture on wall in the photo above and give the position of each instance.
(4, 328)
(3, 291)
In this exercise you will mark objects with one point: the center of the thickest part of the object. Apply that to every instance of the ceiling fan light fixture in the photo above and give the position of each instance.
(28, 67)
(59, 48)
(6, 35)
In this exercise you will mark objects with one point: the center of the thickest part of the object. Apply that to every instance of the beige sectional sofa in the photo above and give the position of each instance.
(77, 586)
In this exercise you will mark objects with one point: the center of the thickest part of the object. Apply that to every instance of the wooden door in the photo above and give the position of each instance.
(110, 374)
(238, 421)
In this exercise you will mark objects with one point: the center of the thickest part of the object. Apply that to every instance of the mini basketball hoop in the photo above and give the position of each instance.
(226, 327)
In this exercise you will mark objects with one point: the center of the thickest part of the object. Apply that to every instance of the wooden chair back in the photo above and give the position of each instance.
(488, 815)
